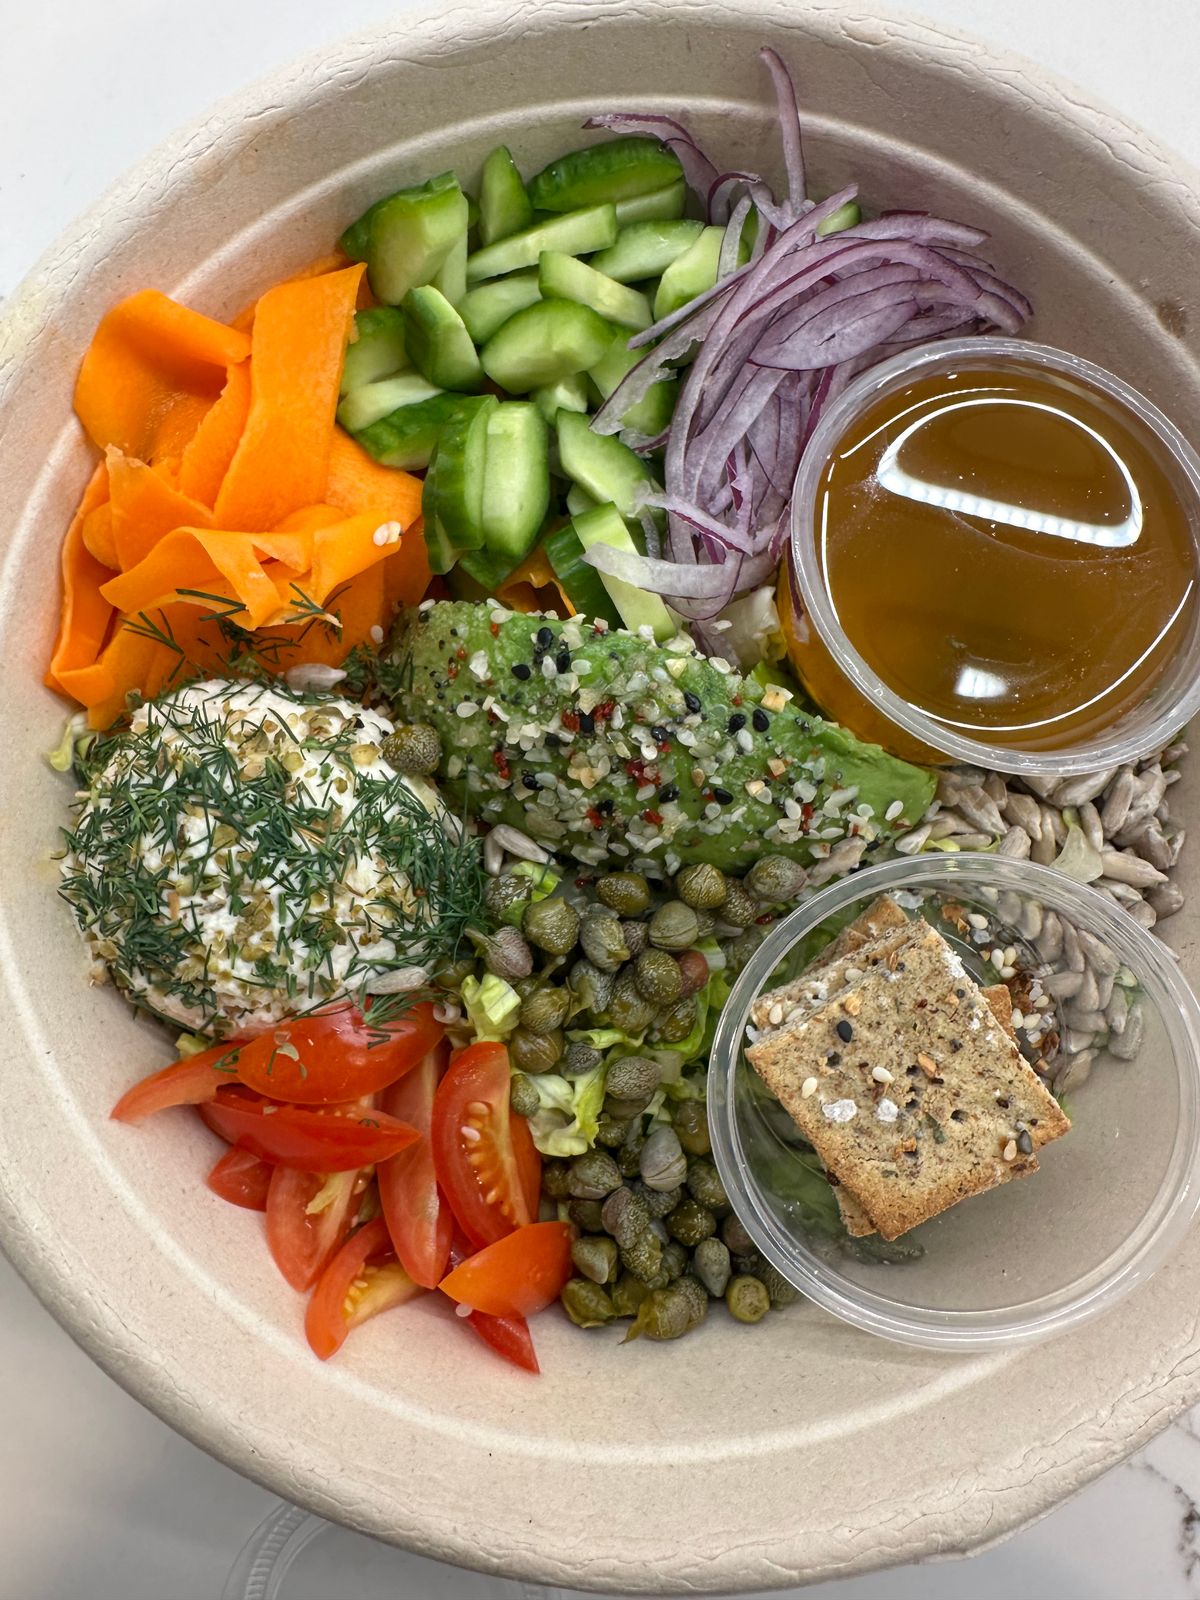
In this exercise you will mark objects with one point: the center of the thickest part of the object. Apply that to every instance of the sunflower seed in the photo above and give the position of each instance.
(1073, 1073)
(1087, 995)
(518, 844)
(1100, 957)
(1151, 787)
(1089, 821)
(1072, 954)
(1104, 989)
(1144, 915)
(1081, 1021)
(1015, 843)
(995, 788)
(1154, 848)
(1042, 787)
(909, 843)
(844, 857)
(1117, 1011)
(1063, 985)
(1167, 899)
(493, 855)
(1074, 791)
(1022, 811)
(1130, 869)
(1050, 940)
(1125, 1045)
(1172, 754)
(1118, 800)
(1053, 820)
(1032, 919)
(944, 825)
(1044, 847)
(1175, 840)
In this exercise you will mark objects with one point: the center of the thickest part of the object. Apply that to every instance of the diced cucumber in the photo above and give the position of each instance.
(614, 170)
(693, 272)
(579, 500)
(438, 342)
(578, 233)
(488, 306)
(647, 249)
(452, 500)
(406, 238)
(504, 206)
(485, 569)
(563, 277)
(662, 203)
(568, 394)
(516, 479)
(375, 400)
(605, 525)
(601, 465)
(543, 344)
(451, 277)
(581, 583)
(406, 438)
(847, 216)
(377, 349)
(650, 415)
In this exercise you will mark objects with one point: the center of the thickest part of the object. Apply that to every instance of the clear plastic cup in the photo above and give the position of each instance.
(853, 691)
(1026, 1259)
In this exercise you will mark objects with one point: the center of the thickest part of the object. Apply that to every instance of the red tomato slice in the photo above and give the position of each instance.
(190, 1082)
(330, 1140)
(334, 1056)
(507, 1336)
(301, 1241)
(516, 1276)
(359, 1282)
(529, 1163)
(242, 1179)
(418, 1219)
(473, 1150)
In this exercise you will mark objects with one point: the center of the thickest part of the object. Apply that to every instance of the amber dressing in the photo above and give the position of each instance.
(1006, 550)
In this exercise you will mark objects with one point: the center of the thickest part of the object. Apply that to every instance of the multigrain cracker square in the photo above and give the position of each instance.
(909, 1089)
(828, 978)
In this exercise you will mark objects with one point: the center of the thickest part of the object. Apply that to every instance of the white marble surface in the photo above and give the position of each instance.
(98, 1500)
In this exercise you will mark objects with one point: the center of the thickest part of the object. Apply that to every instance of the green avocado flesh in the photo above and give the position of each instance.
(611, 749)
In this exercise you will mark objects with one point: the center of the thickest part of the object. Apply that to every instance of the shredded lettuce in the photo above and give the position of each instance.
(568, 1115)
(492, 1006)
(543, 881)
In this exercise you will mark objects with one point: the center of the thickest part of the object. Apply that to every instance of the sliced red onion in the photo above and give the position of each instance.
(789, 129)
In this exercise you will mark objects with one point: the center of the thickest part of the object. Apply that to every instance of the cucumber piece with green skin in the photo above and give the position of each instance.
(485, 568)
(406, 438)
(664, 204)
(577, 501)
(577, 233)
(694, 272)
(488, 306)
(564, 277)
(452, 499)
(375, 400)
(647, 249)
(504, 206)
(405, 238)
(606, 525)
(650, 415)
(568, 394)
(451, 277)
(439, 345)
(617, 169)
(601, 465)
(847, 216)
(544, 344)
(516, 479)
(580, 582)
(377, 349)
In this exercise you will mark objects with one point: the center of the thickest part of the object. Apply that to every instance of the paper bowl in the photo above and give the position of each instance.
(741, 1458)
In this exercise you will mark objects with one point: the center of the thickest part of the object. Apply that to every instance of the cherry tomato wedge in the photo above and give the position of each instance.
(473, 1149)
(242, 1179)
(418, 1219)
(359, 1282)
(301, 1239)
(334, 1056)
(507, 1336)
(516, 1276)
(190, 1082)
(332, 1140)
(529, 1163)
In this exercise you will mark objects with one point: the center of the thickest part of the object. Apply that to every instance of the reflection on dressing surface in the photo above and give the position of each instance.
(1006, 549)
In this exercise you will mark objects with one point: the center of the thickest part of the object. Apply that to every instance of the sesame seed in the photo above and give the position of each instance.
(387, 533)
(977, 919)
(760, 720)
(691, 701)
(745, 741)
(722, 797)
(737, 722)
(881, 1075)
(466, 708)
(808, 1088)
(775, 1015)
(549, 670)
(893, 811)
(844, 1031)
(1010, 1150)
(521, 670)
(376, 634)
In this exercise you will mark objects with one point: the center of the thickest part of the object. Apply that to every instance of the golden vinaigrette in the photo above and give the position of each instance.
(1006, 551)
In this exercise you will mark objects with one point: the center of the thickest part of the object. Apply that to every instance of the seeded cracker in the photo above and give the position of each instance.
(954, 1115)
(827, 978)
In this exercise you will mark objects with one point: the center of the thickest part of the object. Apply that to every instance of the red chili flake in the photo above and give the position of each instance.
(641, 773)
(594, 817)
(806, 815)
(664, 747)
(570, 721)
(461, 653)
(452, 672)
(604, 710)
(654, 818)
(500, 762)
(735, 700)
(765, 920)
(495, 630)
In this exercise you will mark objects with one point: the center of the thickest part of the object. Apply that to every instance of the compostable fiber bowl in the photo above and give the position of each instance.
(740, 1458)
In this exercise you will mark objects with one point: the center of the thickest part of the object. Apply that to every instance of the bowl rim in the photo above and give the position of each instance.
(1149, 1243)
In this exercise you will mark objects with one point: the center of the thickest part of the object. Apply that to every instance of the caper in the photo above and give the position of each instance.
(578, 1058)
(552, 925)
(702, 886)
(554, 1180)
(674, 926)
(710, 1263)
(675, 1259)
(658, 1202)
(545, 1009)
(612, 1130)
(503, 893)
(627, 893)
(693, 972)
(636, 936)
(535, 1052)
(691, 1222)
(704, 1185)
(587, 1304)
(697, 1297)
(644, 1259)
(592, 988)
(634, 1079)
(663, 1165)
(678, 1020)
(602, 940)
(595, 1258)
(736, 1238)
(627, 1294)
(629, 1010)
(413, 748)
(747, 1266)
(665, 1314)
(622, 1111)
(782, 1292)
(656, 973)
(690, 1121)
(774, 880)
(739, 910)
(585, 1214)
(738, 951)
(747, 1299)
(630, 1154)
(625, 1215)
(522, 1096)
(593, 1176)
(705, 923)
